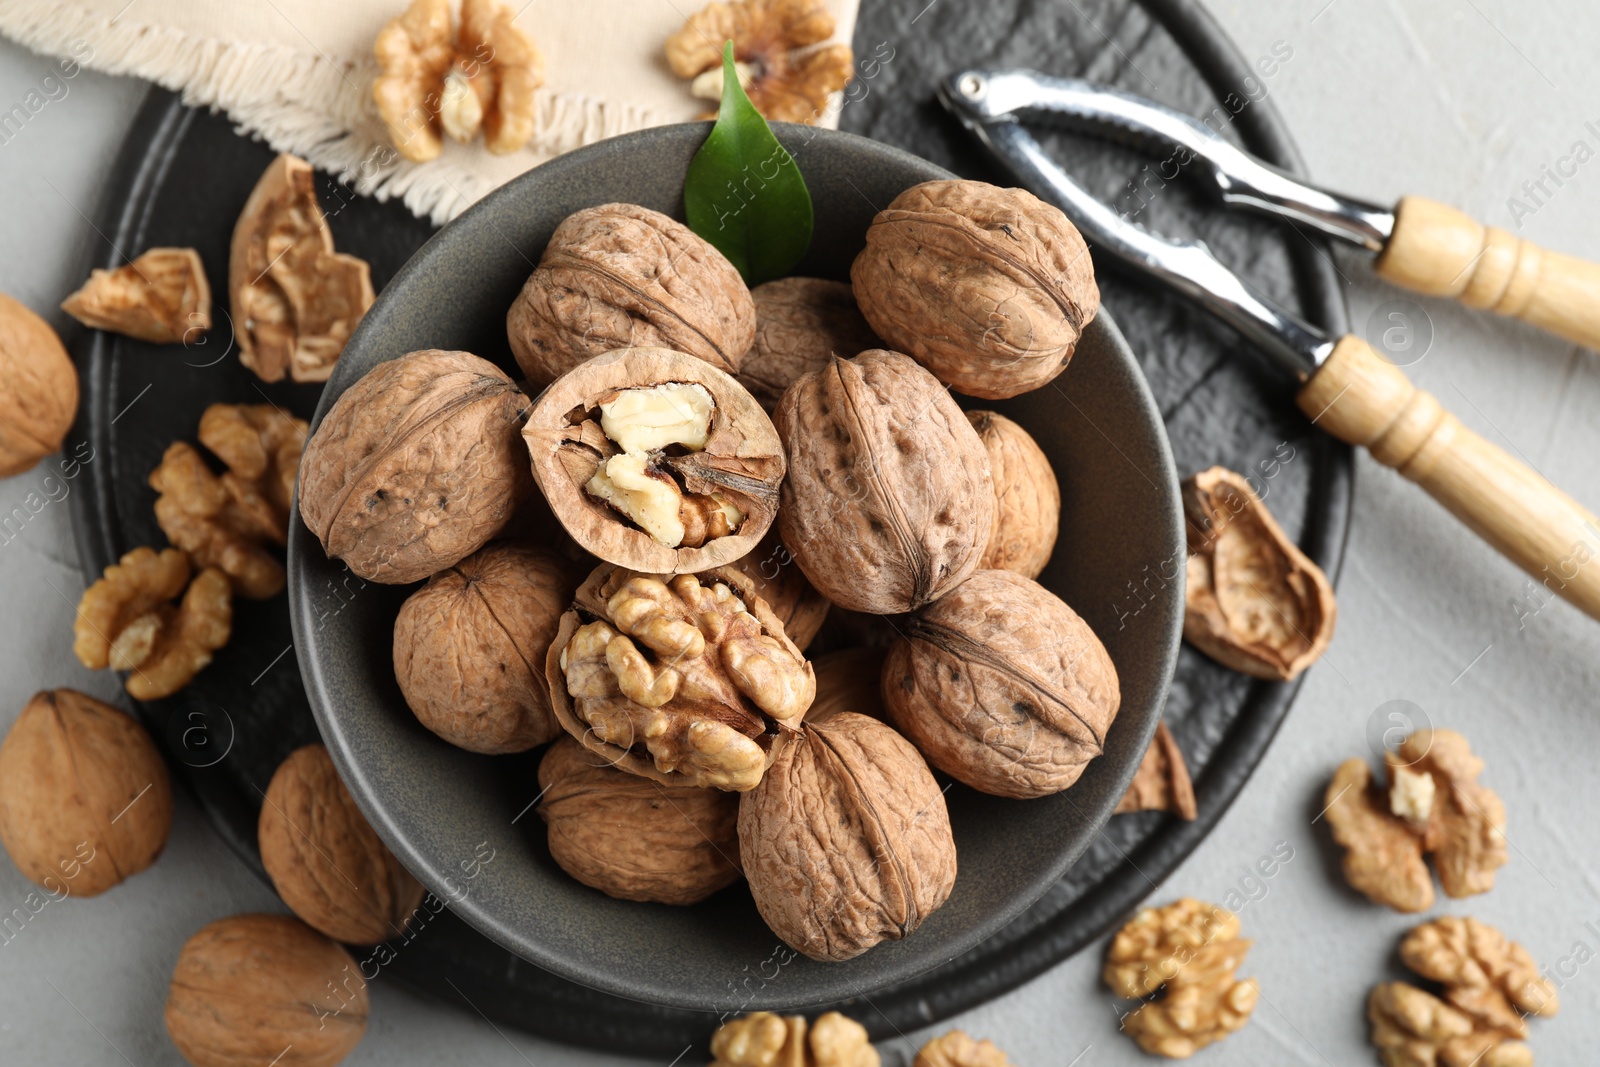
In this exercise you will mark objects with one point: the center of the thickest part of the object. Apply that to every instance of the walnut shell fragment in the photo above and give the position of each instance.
(988, 288)
(623, 276)
(888, 504)
(801, 323)
(262, 989)
(956, 1049)
(634, 838)
(1002, 686)
(849, 680)
(416, 466)
(38, 389)
(1254, 602)
(295, 300)
(704, 462)
(762, 1039)
(325, 861)
(84, 797)
(470, 646)
(162, 297)
(1162, 781)
(784, 66)
(1027, 512)
(846, 842)
(686, 679)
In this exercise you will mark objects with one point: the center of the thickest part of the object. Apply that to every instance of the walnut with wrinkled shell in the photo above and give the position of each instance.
(957, 1049)
(224, 522)
(162, 297)
(84, 797)
(846, 842)
(688, 680)
(1464, 827)
(699, 446)
(1162, 781)
(988, 288)
(762, 1039)
(262, 989)
(779, 581)
(849, 679)
(1383, 857)
(1253, 601)
(38, 389)
(416, 466)
(632, 837)
(470, 646)
(623, 276)
(784, 66)
(1002, 686)
(888, 504)
(295, 300)
(1027, 513)
(801, 323)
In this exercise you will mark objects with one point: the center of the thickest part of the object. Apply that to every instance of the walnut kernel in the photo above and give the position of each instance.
(162, 297)
(762, 1039)
(223, 522)
(1383, 857)
(784, 66)
(956, 1049)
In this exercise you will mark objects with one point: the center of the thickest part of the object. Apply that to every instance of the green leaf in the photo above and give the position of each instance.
(744, 192)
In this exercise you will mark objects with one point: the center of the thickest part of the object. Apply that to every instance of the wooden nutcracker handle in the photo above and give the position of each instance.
(1437, 250)
(1361, 398)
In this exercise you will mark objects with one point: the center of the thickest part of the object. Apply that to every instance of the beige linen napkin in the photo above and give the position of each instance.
(299, 74)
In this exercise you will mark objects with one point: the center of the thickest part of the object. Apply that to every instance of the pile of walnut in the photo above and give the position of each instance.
(664, 644)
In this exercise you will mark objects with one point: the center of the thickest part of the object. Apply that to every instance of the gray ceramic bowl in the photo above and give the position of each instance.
(443, 810)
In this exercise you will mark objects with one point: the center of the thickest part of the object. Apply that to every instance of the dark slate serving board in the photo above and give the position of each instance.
(184, 175)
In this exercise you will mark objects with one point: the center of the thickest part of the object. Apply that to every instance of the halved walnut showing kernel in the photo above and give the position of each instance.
(295, 300)
(783, 64)
(161, 297)
(686, 679)
(656, 461)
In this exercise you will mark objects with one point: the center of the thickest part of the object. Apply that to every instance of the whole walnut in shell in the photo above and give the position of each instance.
(469, 647)
(801, 323)
(846, 841)
(989, 288)
(38, 389)
(1027, 514)
(325, 861)
(1002, 686)
(632, 837)
(623, 276)
(265, 989)
(685, 679)
(84, 797)
(655, 460)
(416, 466)
(888, 504)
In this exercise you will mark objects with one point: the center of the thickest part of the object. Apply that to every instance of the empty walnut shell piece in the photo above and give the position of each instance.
(1162, 781)
(741, 462)
(888, 504)
(325, 861)
(988, 288)
(262, 989)
(632, 837)
(801, 323)
(38, 389)
(162, 297)
(1002, 686)
(416, 466)
(1253, 602)
(84, 796)
(846, 841)
(470, 646)
(1027, 513)
(623, 276)
(686, 679)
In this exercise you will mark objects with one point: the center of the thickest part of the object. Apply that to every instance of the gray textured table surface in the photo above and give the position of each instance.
(1462, 100)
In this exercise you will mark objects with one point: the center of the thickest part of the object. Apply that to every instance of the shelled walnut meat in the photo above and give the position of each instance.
(888, 504)
(325, 861)
(38, 389)
(957, 1049)
(84, 797)
(416, 466)
(632, 837)
(295, 300)
(623, 276)
(779, 50)
(1027, 513)
(656, 461)
(988, 288)
(1002, 686)
(801, 323)
(846, 842)
(258, 989)
(762, 1039)
(1253, 601)
(685, 679)
(470, 646)
(162, 297)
